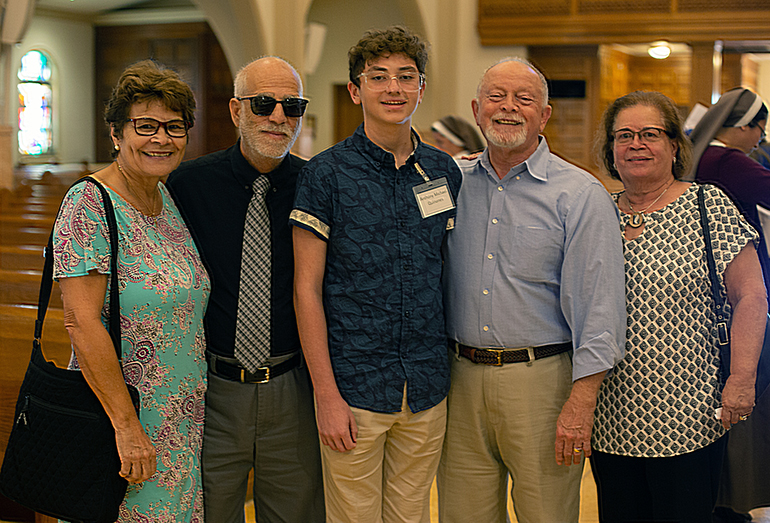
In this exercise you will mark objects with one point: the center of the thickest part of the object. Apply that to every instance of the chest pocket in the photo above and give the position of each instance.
(533, 254)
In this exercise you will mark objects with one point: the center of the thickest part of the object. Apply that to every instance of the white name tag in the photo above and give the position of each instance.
(433, 197)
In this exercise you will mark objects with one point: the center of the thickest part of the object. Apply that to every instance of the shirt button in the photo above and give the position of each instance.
(486, 328)
(500, 188)
(407, 314)
(485, 292)
(494, 220)
(518, 177)
(490, 256)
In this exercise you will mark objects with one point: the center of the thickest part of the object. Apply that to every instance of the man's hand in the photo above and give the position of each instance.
(573, 432)
(336, 425)
(575, 423)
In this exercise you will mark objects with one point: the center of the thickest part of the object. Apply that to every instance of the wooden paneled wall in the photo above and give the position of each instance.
(193, 51)
(552, 22)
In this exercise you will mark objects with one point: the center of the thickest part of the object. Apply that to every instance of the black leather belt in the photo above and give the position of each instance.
(234, 372)
(490, 356)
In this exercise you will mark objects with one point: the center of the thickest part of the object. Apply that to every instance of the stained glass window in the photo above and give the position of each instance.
(35, 136)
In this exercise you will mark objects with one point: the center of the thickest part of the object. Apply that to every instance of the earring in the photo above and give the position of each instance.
(674, 159)
(117, 147)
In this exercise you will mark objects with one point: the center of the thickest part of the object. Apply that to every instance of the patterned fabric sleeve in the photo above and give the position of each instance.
(313, 206)
(730, 232)
(81, 236)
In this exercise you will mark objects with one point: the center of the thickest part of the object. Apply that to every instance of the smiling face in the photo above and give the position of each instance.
(155, 155)
(394, 105)
(265, 140)
(510, 109)
(637, 161)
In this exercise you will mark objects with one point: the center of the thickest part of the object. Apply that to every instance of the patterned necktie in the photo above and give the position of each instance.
(252, 326)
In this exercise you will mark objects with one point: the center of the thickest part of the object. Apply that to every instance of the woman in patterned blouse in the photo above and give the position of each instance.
(661, 415)
(163, 294)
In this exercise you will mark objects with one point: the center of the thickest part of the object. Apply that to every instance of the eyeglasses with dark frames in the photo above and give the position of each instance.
(150, 126)
(647, 135)
(262, 105)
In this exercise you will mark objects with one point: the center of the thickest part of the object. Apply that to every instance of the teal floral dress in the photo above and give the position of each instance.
(164, 290)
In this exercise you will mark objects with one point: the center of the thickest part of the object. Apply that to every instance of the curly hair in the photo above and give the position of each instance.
(146, 82)
(377, 43)
(672, 121)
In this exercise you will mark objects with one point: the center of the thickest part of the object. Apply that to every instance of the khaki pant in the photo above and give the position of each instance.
(501, 421)
(387, 477)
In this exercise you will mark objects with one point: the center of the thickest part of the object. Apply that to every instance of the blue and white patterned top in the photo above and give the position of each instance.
(660, 400)
(382, 285)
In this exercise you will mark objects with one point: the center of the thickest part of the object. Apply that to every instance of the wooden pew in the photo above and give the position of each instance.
(22, 287)
(21, 257)
(24, 236)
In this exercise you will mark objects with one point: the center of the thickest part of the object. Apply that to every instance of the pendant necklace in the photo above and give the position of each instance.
(136, 194)
(637, 217)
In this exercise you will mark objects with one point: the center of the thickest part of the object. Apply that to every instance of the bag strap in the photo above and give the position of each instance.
(719, 305)
(47, 283)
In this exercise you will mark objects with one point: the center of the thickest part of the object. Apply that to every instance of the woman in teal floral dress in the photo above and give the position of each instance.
(163, 295)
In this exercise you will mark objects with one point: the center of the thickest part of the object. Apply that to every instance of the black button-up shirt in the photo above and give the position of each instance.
(213, 194)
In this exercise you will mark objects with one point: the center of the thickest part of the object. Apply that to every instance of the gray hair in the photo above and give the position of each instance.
(524, 61)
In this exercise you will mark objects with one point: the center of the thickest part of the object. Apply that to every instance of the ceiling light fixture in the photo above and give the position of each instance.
(659, 50)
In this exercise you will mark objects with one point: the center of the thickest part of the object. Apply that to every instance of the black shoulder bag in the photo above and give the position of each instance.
(723, 331)
(62, 459)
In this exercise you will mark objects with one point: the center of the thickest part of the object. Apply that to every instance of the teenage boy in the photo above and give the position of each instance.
(370, 217)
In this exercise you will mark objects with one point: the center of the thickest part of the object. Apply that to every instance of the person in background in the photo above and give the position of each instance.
(259, 406)
(164, 290)
(731, 129)
(534, 296)
(456, 137)
(661, 416)
(369, 220)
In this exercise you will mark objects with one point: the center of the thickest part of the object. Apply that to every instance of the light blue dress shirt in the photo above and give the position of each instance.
(536, 258)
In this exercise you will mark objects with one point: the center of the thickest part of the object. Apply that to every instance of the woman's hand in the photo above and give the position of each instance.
(137, 455)
(737, 401)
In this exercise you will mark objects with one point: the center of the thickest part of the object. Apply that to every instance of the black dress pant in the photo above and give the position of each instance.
(679, 489)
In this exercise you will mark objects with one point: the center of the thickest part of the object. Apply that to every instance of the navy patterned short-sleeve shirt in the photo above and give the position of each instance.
(382, 284)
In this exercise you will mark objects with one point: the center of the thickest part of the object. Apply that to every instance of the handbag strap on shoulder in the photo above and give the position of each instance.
(718, 302)
(47, 282)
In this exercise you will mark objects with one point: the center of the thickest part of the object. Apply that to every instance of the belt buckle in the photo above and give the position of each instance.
(499, 353)
(267, 375)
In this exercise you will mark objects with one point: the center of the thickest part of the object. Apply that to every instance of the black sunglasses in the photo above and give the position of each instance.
(262, 105)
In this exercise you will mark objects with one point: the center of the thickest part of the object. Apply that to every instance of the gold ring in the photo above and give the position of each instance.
(744, 417)
(577, 450)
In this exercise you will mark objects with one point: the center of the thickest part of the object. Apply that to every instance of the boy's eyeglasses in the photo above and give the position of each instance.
(262, 105)
(380, 80)
(150, 126)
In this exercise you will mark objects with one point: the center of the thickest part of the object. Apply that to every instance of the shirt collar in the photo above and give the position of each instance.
(536, 164)
(374, 151)
(245, 173)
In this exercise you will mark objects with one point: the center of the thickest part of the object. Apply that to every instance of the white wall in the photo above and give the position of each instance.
(346, 22)
(70, 46)
(763, 78)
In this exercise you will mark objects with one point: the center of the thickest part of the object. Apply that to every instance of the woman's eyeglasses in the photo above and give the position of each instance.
(150, 126)
(262, 105)
(646, 135)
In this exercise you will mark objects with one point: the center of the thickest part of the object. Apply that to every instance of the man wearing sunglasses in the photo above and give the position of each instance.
(259, 405)
(370, 216)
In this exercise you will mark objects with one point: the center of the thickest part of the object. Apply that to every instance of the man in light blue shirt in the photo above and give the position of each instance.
(535, 304)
